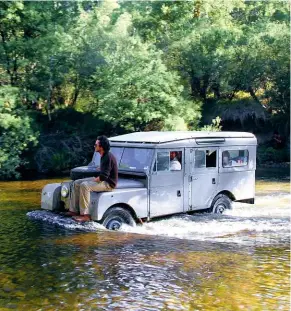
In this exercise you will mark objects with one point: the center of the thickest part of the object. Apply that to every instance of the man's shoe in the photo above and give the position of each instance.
(82, 218)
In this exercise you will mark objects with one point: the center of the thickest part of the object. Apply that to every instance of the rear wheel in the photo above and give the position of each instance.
(220, 204)
(116, 217)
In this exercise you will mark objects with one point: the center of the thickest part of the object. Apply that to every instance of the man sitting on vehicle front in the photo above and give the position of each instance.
(106, 181)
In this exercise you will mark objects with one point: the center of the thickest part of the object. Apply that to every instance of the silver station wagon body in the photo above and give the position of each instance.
(163, 173)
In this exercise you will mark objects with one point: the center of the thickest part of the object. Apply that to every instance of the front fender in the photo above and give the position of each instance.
(51, 197)
(136, 198)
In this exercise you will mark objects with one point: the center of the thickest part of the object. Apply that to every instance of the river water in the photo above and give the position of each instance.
(236, 261)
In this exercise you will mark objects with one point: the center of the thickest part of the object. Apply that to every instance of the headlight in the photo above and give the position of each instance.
(64, 191)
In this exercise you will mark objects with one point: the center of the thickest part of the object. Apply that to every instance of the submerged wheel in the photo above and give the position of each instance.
(220, 204)
(116, 217)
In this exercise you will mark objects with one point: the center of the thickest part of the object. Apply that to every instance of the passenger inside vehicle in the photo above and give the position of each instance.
(226, 161)
(175, 164)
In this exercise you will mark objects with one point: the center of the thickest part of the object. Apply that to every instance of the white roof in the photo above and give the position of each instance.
(164, 137)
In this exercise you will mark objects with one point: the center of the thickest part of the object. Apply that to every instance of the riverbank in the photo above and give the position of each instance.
(277, 173)
(274, 165)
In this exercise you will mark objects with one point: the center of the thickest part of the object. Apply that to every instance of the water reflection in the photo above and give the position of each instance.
(239, 261)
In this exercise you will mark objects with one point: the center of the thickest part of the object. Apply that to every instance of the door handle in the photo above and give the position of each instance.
(213, 181)
(178, 193)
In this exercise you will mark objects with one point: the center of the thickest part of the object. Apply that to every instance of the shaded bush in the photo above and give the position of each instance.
(266, 154)
(60, 152)
(65, 142)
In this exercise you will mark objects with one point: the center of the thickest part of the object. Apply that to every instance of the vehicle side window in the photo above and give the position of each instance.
(235, 158)
(200, 159)
(168, 161)
(163, 161)
(205, 158)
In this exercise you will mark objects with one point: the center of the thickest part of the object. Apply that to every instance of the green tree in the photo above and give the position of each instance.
(132, 86)
(31, 55)
(16, 132)
(223, 49)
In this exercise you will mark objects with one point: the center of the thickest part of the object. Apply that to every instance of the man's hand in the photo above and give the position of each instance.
(97, 179)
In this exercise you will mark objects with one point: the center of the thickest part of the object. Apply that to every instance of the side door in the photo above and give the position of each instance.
(166, 182)
(203, 178)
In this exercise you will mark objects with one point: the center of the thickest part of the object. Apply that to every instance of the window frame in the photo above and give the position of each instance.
(168, 150)
(212, 168)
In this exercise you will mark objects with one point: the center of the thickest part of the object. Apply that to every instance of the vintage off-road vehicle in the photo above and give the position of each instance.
(212, 169)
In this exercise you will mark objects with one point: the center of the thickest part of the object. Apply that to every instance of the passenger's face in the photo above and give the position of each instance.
(172, 155)
(97, 146)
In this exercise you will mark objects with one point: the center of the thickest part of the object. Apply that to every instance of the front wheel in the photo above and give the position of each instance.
(220, 204)
(116, 217)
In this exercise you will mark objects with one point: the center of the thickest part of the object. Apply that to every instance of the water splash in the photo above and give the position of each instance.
(268, 221)
(64, 222)
(216, 228)
(265, 222)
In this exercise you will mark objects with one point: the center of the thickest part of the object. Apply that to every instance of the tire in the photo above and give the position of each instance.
(115, 217)
(220, 204)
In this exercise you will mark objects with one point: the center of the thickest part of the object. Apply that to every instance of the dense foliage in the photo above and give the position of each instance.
(72, 70)
(16, 132)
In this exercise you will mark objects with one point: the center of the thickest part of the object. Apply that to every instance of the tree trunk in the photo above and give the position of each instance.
(204, 87)
(75, 94)
(216, 90)
(195, 86)
(254, 96)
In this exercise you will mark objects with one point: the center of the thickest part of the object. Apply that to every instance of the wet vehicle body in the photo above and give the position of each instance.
(165, 173)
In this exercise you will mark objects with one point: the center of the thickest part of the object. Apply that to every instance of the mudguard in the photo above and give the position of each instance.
(51, 197)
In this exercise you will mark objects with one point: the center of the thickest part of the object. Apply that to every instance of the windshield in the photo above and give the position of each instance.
(128, 158)
(136, 159)
(116, 151)
(95, 160)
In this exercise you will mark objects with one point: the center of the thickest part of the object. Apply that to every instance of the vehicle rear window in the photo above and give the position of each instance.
(235, 158)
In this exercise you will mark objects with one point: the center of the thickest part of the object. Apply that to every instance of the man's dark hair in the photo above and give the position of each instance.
(104, 143)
